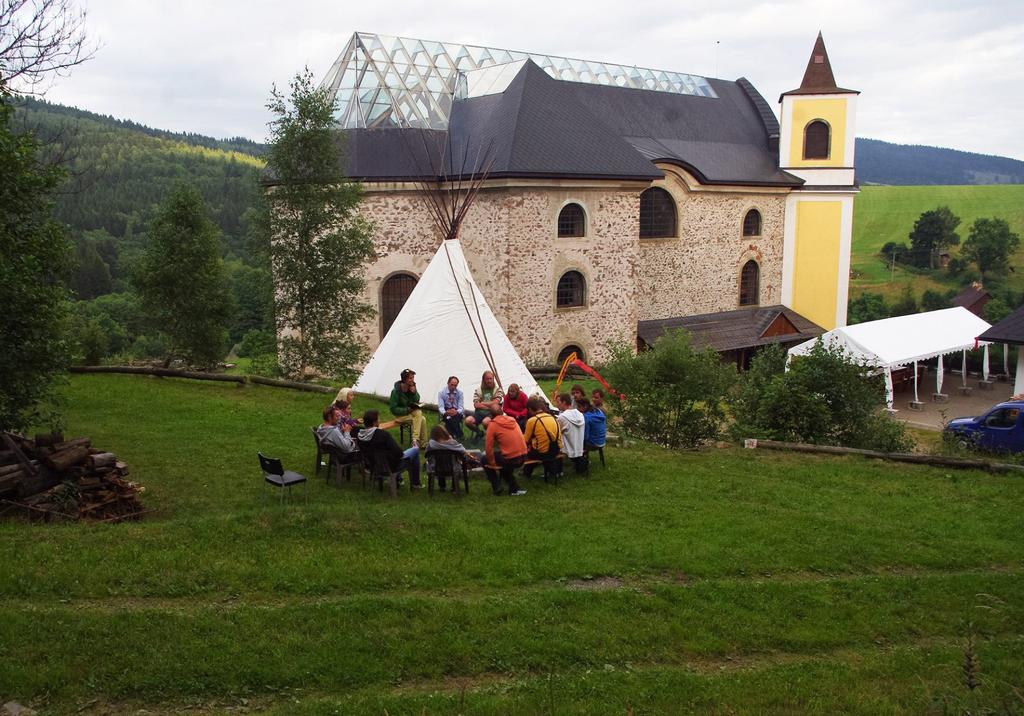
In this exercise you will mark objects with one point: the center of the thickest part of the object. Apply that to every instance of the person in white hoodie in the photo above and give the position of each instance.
(572, 423)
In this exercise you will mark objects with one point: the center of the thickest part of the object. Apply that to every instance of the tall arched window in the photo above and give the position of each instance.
(752, 223)
(572, 222)
(393, 295)
(817, 140)
(571, 290)
(657, 214)
(750, 284)
(569, 350)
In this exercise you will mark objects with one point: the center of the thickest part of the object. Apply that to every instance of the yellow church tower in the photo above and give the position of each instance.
(816, 144)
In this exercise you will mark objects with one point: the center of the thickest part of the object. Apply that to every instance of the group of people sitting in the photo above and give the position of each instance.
(514, 429)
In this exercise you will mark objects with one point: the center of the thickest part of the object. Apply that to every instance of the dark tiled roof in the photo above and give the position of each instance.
(970, 296)
(543, 127)
(1008, 330)
(731, 330)
(818, 77)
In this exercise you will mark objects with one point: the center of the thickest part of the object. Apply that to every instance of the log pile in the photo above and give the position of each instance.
(50, 478)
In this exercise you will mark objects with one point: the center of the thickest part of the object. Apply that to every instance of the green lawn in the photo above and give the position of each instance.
(887, 213)
(725, 581)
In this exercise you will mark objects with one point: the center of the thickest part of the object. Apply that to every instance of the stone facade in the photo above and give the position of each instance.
(510, 240)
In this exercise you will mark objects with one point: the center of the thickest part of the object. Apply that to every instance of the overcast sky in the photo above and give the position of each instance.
(937, 72)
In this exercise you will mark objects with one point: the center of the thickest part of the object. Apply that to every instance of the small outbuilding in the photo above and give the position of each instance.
(973, 298)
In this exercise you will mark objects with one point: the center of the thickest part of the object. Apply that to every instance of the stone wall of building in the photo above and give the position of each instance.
(698, 271)
(510, 238)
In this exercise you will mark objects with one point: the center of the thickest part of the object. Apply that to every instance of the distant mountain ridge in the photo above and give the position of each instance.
(233, 144)
(881, 162)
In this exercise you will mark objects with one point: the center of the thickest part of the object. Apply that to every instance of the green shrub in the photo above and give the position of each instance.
(674, 394)
(825, 397)
(265, 365)
(256, 342)
(147, 346)
(867, 307)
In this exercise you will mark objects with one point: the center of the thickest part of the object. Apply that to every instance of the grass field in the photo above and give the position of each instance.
(723, 581)
(887, 213)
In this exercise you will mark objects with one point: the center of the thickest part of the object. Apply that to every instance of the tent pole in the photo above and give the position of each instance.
(915, 383)
(939, 369)
(1018, 383)
(888, 387)
(1006, 360)
(963, 369)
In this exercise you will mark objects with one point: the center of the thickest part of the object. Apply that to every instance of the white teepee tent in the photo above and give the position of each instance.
(437, 337)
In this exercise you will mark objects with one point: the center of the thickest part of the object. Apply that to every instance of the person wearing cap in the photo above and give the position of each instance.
(405, 406)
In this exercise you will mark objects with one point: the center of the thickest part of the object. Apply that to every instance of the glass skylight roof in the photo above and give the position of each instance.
(384, 81)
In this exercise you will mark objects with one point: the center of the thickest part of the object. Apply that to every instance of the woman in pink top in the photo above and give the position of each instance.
(515, 405)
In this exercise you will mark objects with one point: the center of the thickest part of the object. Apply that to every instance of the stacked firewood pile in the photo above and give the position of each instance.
(51, 478)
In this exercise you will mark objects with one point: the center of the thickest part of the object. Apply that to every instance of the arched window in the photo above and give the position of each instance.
(752, 223)
(571, 290)
(572, 222)
(393, 295)
(657, 214)
(569, 350)
(817, 140)
(750, 284)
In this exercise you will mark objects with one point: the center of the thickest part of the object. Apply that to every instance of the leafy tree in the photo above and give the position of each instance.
(989, 245)
(750, 390)
(933, 231)
(253, 291)
(867, 307)
(825, 397)
(257, 343)
(906, 304)
(317, 242)
(675, 395)
(91, 277)
(35, 257)
(996, 310)
(893, 251)
(182, 283)
(934, 301)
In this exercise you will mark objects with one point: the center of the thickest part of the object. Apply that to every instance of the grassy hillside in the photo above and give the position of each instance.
(887, 213)
(887, 163)
(722, 580)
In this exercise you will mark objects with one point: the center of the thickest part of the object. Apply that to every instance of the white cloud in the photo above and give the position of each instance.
(930, 72)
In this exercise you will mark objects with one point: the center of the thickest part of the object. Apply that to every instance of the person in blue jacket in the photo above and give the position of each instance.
(595, 428)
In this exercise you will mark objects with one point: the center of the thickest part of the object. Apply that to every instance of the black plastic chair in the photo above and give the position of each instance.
(275, 475)
(448, 465)
(377, 468)
(599, 449)
(339, 461)
(320, 455)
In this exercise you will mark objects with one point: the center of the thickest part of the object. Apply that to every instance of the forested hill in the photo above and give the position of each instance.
(120, 170)
(881, 162)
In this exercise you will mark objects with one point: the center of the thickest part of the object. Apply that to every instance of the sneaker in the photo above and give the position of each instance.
(517, 493)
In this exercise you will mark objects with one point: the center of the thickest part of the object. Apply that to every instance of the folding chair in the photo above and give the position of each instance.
(275, 475)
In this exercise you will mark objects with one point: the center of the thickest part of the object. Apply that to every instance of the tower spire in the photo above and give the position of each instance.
(818, 75)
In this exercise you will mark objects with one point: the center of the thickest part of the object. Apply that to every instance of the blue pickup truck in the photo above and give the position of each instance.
(1001, 429)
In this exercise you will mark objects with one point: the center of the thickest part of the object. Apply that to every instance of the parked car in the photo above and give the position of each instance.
(1001, 429)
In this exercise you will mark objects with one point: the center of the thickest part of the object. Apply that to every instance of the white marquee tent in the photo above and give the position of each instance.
(438, 333)
(904, 340)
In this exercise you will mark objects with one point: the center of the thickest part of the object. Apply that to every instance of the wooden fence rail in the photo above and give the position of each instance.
(194, 375)
(935, 460)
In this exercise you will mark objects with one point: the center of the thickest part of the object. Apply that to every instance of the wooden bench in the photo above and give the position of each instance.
(532, 463)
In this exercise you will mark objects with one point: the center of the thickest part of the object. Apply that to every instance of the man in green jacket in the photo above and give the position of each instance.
(405, 406)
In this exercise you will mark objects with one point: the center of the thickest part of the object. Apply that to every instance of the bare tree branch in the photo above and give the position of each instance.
(40, 40)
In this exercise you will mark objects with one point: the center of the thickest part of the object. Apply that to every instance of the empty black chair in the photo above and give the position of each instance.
(448, 465)
(599, 449)
(380, 470)
(275, 475)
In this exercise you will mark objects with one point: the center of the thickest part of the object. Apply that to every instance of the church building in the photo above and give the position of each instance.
(619, 202)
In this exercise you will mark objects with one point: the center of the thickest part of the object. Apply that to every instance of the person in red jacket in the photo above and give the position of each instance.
(505, 448)
(515, 405)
